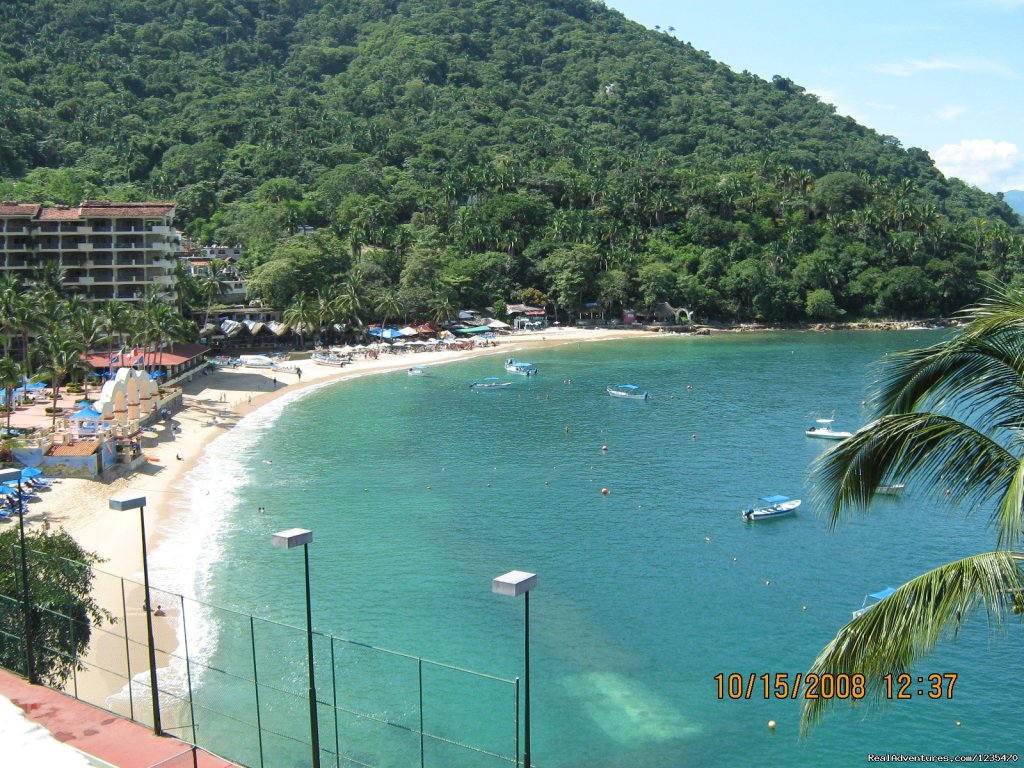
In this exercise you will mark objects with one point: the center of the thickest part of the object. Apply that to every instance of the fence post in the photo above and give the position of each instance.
(334, 699)
(256, 687)
(188, 672)
(517, 719)
(419, 671)
(127, 653)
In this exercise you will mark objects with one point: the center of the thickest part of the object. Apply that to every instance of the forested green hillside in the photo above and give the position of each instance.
(471, 152)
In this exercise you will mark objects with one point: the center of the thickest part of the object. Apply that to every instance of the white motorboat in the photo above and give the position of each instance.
(629, 391)
(772, 507)
(823, 428)
(892, 489)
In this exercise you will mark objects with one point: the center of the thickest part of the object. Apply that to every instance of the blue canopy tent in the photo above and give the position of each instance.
(88, 419)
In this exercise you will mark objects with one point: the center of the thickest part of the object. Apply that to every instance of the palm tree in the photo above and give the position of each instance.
(951, 417)
(11, 376)
(301, 314)
(352, 297)
(62, 356)
(388, 304)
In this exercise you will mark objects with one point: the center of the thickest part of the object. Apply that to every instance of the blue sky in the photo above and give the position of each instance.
(943, 75)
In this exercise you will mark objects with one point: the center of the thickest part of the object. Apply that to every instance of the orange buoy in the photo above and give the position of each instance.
(604, 491)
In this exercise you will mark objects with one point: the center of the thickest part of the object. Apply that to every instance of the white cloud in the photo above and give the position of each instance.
(995, 166)
(911, 67)
(949, 112)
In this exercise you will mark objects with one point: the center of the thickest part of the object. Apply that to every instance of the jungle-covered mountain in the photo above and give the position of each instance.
(419, 155)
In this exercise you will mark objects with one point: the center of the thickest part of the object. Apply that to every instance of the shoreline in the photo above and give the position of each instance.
(212, 405)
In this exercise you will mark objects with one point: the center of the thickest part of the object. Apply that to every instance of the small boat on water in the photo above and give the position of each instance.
(823, 428)
(417, 370)
(870, 601)
(629, 391)
(772, 507)
(491, 382)
(520, 368)
(892, 489)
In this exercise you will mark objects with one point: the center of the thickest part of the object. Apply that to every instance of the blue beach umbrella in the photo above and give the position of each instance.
(6, 490)
(30, 472)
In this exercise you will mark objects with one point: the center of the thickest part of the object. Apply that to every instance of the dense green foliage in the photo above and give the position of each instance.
(469, 151)
(63, 611)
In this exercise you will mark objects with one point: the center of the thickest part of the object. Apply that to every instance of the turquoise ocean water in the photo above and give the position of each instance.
(419, 491)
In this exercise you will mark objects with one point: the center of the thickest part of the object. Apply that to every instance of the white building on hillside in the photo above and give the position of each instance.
(107, 250)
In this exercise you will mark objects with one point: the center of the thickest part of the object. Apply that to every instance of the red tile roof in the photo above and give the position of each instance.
(89, 209)
(81, 448)
(176, 354)
(9, 208)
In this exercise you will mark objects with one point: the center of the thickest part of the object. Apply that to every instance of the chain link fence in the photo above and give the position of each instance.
(238, 686)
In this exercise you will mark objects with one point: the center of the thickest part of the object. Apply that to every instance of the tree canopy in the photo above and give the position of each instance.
(440, 133)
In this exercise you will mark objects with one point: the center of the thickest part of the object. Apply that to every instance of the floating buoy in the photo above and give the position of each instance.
(767, 582)
(547, 482)
(604, 491)
(771, 725)
(804, 608)
(365, 490)
(604, 447)
(957, 723)
(707, 539)
(947, 491)
(428, 487)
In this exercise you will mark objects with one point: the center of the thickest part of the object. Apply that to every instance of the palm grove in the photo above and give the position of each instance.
(450, 153)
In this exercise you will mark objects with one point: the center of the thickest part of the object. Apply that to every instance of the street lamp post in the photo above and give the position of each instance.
(514, 584)
(123, 502)
(7, 476)
(288, 539)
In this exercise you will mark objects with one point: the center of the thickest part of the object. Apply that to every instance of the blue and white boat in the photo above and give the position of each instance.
(629, 391)
(520, 368)
(491, 382)
(771, 508)
(870, 601)
(823, 428)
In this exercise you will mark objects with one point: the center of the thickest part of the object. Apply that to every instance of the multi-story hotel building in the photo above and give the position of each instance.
(107, 250)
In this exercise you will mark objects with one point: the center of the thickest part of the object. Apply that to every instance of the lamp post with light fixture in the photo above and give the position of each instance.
(288, 539)
(514, 584)
(123, 502)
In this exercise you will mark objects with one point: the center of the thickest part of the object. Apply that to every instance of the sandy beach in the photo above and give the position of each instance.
(212, 404)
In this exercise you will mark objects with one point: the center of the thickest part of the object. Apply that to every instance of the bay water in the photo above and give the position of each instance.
(420, 490)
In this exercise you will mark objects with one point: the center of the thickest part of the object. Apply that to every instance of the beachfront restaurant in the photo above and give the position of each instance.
(173, 362)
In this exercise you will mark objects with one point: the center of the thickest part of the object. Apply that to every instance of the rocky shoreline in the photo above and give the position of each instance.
(701, 329)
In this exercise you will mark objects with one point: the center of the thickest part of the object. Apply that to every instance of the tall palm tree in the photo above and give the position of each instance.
(950, 417)
(301, 315)
(388, 304)
(11, 376)
(352, 297)
(62, 357)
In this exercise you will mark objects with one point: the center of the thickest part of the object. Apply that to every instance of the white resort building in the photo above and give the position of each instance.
(107, 250)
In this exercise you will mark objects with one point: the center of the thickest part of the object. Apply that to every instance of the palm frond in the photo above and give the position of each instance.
(939, 452)
(896, 632)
